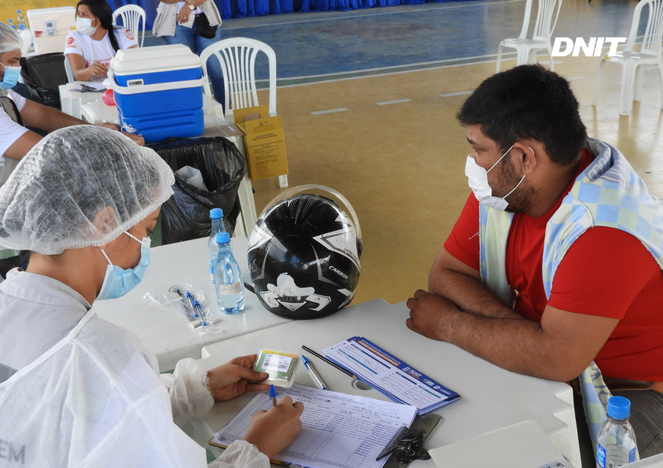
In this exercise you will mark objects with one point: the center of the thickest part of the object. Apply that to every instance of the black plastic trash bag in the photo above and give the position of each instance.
(185, 215)
(43, 74)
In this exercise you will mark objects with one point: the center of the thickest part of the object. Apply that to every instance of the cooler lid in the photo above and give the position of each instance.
(154, 59)
(51, 11)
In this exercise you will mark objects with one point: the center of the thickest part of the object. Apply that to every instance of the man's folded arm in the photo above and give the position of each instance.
(461, 284)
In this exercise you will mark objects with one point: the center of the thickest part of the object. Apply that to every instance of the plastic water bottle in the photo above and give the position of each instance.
(212, 247)
(20, 19)
(228, 278)
(11, 23)
(616, 441)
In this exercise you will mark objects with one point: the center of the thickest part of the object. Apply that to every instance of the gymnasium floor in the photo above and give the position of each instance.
(368, 100)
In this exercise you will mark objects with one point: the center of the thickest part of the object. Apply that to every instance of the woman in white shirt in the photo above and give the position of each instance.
(76, 390)
(91, 48)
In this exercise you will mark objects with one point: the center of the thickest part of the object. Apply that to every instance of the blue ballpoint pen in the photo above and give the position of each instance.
(316, 377)
(272, 394)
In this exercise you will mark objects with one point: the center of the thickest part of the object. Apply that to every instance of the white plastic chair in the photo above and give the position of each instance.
(546, 20)
(131, 18)
(237, 57)
(68, 70)
(632, 62)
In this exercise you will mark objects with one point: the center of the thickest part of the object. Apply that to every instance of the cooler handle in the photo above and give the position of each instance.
(147, 88)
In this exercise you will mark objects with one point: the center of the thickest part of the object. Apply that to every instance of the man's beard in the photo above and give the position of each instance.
(520, 201)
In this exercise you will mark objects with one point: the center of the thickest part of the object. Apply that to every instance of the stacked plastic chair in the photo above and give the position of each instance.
(546, 20)
(632, 62)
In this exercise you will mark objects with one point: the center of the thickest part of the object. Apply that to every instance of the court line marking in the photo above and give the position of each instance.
(383, 74)
(335, 18)
(329, 111)
(510, 56)
(460, 93)
(573, 78)
(386, 103)
(463, 62)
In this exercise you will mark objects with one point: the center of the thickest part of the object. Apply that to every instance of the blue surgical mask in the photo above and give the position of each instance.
(117, 281)
(11, 76)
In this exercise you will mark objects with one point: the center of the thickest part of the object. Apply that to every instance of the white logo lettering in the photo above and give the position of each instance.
(338, 272)
(593, 47)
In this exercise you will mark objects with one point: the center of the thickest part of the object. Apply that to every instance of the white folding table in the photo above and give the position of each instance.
(71, 101)
(164, 329)
(491, 397)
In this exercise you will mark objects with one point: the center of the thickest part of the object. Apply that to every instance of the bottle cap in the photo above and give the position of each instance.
(619, 407)
(216, 213)
(224, 237)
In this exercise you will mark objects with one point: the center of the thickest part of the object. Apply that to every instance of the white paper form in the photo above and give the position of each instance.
(388, 374)
(338, 430)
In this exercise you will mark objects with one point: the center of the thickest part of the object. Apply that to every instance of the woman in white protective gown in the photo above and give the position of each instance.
(75, 390)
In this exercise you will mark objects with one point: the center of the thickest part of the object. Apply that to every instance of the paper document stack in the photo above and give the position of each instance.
(338, 430)
(389, 375)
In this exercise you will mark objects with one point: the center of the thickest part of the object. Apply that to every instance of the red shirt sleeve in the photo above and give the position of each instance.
(463, 242)
(602, 273)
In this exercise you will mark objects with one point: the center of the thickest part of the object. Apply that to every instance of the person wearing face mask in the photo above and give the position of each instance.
(74, 389)
(554, 267)
(17, 113)
(95, 42)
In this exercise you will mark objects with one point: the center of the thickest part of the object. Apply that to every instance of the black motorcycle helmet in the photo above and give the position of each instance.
(304, 253)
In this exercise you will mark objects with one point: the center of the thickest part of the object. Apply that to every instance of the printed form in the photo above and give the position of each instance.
(389, 375)
(338, 430)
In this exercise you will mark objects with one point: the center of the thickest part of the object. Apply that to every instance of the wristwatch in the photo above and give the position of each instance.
(191, 7)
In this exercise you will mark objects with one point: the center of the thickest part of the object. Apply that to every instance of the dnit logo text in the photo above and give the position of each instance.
(592, 48)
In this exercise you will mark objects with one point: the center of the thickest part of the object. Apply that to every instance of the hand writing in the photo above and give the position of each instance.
(430, 315)
(272, 431)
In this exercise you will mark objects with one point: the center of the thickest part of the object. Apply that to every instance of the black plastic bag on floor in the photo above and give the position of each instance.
(185, 215)
(43, 75)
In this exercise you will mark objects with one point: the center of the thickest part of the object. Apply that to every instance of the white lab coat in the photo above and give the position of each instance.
(95, 398)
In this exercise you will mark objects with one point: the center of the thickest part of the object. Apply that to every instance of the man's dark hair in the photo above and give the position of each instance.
(528, 102)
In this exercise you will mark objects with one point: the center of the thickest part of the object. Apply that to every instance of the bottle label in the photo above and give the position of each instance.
(228, 289)
(600, 456)
(631, 455)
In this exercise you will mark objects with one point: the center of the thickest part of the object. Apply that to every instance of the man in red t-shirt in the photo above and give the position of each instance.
(528, 147)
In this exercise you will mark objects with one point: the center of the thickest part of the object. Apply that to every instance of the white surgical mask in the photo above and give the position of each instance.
(477, 178)
(84, 26)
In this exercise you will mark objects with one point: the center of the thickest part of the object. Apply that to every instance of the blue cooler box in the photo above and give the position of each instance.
(158, 91)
